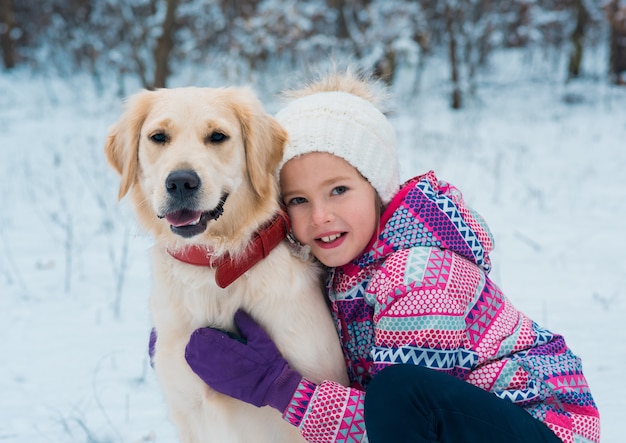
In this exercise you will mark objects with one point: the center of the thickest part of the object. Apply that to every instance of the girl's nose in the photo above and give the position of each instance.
(321, 214)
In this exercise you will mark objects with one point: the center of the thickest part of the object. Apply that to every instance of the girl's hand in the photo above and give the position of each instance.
(249, 368)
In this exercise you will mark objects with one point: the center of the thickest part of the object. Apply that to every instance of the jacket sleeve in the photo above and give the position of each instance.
(327, 413)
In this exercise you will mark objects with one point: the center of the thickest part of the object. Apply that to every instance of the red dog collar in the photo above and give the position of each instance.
(228, 270)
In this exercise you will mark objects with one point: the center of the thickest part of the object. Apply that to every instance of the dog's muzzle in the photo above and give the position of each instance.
(182, 214)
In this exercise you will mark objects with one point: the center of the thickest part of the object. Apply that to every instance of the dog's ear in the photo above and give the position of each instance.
(122, 145)
(264, 140)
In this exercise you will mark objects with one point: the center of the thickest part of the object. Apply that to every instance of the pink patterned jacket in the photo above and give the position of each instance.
(420, 294)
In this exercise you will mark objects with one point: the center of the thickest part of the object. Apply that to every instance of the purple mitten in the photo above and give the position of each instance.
(251, 370)
(151, 345)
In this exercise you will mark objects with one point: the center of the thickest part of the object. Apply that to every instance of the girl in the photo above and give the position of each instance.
(435, 351)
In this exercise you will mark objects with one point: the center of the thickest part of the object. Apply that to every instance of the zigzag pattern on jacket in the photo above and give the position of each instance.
(432, 358)
(449, 208)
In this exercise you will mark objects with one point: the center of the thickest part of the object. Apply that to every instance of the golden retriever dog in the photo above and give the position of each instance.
(199, 164)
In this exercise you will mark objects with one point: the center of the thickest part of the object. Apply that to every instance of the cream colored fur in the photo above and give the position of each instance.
(281, 292)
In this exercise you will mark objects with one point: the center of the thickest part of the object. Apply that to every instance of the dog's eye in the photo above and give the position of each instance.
(159, 137)
(217, 137)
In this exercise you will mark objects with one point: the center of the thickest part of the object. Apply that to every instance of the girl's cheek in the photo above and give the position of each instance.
(298, 225)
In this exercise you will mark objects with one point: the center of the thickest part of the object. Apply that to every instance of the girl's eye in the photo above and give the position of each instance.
(159, 137)
(296, 201)
(338, 190)
(217, 137)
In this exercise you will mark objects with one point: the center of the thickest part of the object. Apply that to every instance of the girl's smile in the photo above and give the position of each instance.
(331, 241)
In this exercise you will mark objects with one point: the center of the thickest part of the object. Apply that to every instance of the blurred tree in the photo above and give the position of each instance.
(394, 38)
(146, 40)
(164, 45)
(616, 14)
(7, 27)
(578, 39)
(469, 35)
(341, 31)
(452, 15)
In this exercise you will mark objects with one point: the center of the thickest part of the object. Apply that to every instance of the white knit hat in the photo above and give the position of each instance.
(349, 127)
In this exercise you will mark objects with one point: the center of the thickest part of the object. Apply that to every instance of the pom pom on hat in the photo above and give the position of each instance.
(349, 127)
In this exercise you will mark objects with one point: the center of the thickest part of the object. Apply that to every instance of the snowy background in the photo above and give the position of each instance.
(543, 161)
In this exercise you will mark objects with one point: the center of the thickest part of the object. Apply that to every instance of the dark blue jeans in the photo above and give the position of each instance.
(412, 404)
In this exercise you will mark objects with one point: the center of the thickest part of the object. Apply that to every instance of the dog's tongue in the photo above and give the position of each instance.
(183, 217)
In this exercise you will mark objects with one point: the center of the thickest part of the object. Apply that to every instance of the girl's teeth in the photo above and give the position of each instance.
(330, 238)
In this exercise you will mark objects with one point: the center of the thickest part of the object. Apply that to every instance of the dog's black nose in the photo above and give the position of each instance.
(182, 184)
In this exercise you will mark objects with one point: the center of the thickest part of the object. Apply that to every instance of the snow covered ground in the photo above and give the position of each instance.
(543, 162)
